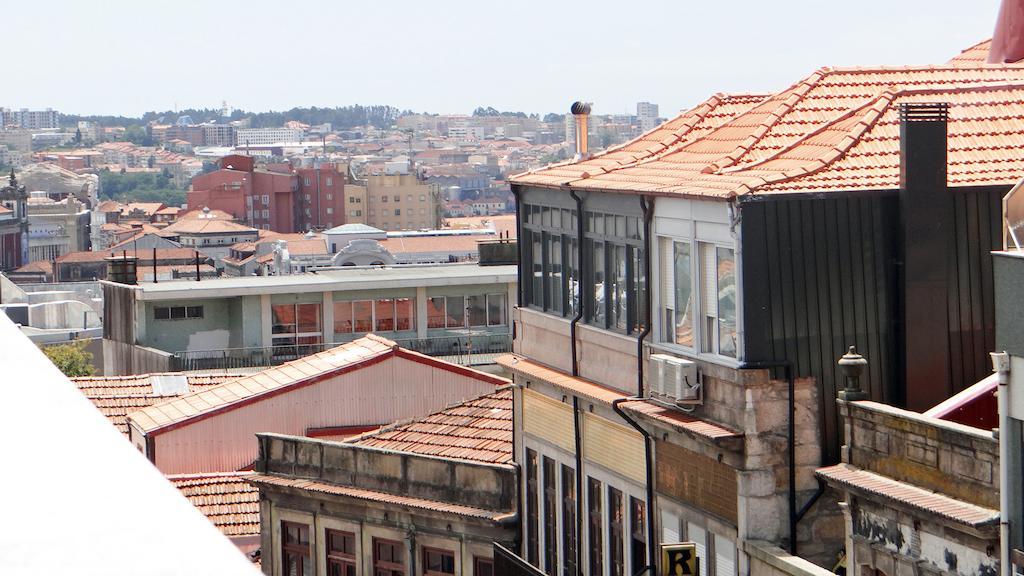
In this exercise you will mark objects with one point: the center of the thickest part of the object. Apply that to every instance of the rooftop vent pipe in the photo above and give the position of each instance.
(581, 111)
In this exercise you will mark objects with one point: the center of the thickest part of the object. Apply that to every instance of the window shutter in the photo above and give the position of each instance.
(699, 536)
(725, 557)
(669, 527)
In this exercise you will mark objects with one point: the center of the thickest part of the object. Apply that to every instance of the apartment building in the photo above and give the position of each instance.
(400, 202)
(26, 119)
(266, 136)
(681, 318)
(56, 228)
(282, 199)
(266, 320)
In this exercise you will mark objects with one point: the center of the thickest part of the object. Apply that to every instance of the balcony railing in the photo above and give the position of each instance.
(464, 349)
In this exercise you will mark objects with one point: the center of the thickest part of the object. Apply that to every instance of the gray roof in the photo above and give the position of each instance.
(344, 278)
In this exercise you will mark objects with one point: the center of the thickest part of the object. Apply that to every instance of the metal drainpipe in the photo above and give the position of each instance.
(646, 206)
(1001, 363)
(579, 280)
(794, 515)
(652, 545)
(579, 483)
(519, 238)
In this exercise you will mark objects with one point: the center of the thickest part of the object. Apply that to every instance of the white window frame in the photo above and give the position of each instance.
(697, 291)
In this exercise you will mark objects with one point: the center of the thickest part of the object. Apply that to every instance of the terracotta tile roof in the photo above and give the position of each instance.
(688, 125)
(977, 54)
(917, 498)
(835, 130)
(429, 244)
(37, 266)
(570, 384)
(5, 210)
(230, 502)
(148, 208)
(213, 214)
(144, 254)
(679, 420)
(108, 206)
(381, 497)
(478, 430)
(273, 380)
(117, 396)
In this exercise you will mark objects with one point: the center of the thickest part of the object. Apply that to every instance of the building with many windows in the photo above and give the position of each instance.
(443, 310)
(425, 496)
(685, 297)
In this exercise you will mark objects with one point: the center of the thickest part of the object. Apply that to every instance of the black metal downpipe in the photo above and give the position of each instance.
(787, 366)
(647, 206)
(652, 544)
(519, 239)
(579, 483)
(580, 260)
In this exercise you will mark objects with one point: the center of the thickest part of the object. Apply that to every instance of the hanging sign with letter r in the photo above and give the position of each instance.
(679, 559)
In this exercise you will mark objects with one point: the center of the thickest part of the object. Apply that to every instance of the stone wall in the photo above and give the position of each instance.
(959, 461)
(490, 487)
(767, 559)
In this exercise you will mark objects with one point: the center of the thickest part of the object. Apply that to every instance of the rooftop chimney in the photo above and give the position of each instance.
(581, 111)
(927, 232)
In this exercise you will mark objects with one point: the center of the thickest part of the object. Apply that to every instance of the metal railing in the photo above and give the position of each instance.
(466, 350)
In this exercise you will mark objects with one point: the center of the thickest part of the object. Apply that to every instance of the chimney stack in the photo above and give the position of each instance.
(927, 246)
(581, 111)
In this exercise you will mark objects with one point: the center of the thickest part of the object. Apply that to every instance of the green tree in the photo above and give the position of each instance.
(72, 358)
(78, 135)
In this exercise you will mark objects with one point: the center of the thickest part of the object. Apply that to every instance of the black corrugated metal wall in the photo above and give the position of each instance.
(821, 274)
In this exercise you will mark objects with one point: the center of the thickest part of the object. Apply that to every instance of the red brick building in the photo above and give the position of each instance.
(279, 197)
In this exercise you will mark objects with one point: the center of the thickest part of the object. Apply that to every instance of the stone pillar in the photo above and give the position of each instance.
(421, 312)
(266, 321)
(327, 313)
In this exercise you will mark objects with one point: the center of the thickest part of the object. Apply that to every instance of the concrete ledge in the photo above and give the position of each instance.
(781, 560)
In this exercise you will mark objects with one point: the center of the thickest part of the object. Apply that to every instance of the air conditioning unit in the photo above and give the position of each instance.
(673, 379)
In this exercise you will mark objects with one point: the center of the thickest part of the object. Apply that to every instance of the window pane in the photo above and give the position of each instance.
(483, 567)
(683, 298)
(554, 273)
(435, 312)
(572, 270)
(531, 507)
(638, 534)
(569, 521)
(284, 318)
(177, 312)
(617, 289)
(405, 314)
(478, 310)
(615, 524)
(726, 303)
(597, 312)
(538, 271)
(725, 557)
(343, 317)
(362, 313)
(161, 313)
(594, 526)
(495, 309)
(385, 311)
(194, 312)
(550, 517)
(455, 308)
(308, 317)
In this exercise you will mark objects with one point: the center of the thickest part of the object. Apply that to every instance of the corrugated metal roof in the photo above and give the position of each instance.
(240, 391)
(918, 498)
(478, 430)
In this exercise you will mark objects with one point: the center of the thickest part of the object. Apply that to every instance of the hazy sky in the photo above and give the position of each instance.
(127, 57)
